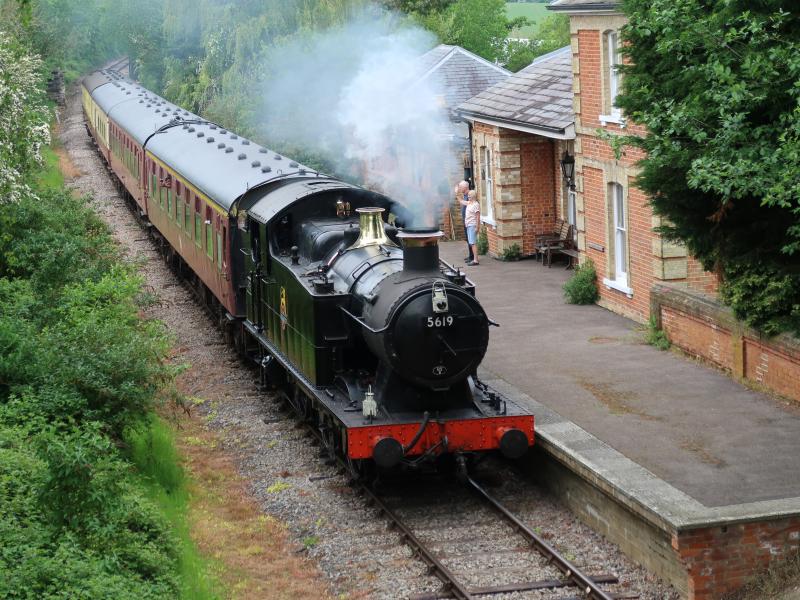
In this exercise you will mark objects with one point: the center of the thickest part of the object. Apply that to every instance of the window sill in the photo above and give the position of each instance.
(615, 119)
(613, 285)
(488, 221)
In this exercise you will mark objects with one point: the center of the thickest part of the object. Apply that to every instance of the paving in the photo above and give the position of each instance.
(686, 440)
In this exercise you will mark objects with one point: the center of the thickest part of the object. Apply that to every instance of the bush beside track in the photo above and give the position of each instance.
(92, 498)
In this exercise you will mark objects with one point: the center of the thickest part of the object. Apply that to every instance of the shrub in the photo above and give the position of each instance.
(513, 252)
(581, 287)
(483, 241)
(655, 336)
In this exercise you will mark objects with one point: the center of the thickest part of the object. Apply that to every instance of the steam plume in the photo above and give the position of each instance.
(355, 94)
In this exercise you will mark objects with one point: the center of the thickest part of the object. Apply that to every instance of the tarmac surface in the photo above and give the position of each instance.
(690, 432)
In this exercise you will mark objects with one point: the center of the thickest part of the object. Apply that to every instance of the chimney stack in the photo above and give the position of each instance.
(420, 249)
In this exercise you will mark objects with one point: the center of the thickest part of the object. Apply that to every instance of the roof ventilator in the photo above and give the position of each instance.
(209, 139)
(228, 150)
(266, 169)
(200, 134)
(255, 163)
(221, 145)
(242, 156)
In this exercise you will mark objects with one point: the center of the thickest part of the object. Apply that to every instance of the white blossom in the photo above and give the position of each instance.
(24, 117)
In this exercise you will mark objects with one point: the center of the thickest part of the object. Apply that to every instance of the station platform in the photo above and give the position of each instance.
(690, 472)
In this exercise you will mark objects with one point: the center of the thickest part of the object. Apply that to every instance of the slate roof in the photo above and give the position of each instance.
(459, 73)
(538, 98)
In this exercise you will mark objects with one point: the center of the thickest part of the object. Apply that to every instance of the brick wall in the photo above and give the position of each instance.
(703, 327)
(719, 560)
(525, 188)
(649, 259)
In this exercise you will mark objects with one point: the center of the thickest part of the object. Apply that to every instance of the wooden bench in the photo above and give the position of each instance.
(571, 254)
(561, 237)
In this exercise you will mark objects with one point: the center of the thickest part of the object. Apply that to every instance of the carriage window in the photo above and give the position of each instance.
(209, 235)
(198, 220)
(169, 201)
(219, 250)
(187, 215)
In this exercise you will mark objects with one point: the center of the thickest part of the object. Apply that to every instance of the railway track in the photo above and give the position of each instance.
(468, 552)
(554, 571)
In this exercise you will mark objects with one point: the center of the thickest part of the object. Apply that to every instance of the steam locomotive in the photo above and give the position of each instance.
(350, 315)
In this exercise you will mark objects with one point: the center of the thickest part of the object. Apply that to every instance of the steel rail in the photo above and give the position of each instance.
(435, 566)
(569, 570)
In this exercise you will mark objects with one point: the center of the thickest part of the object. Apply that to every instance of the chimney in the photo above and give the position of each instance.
(420, 249)
(371, 228)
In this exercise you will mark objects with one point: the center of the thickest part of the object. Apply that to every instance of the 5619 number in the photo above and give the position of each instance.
(439, 321)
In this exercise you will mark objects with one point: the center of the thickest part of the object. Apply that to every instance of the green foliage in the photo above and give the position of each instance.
(511, 253)
(550, 34)
(655, 336)
(581, 288)
(23, 116)
(717, 86)
(480, 26)
(763, 296)
(483, 241)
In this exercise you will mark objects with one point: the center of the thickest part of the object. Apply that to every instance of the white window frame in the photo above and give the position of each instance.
(611, 52)
(619, 239)
(572, 212)
(488, 184)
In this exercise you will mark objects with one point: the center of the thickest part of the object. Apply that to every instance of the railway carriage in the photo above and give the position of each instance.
(354, 320)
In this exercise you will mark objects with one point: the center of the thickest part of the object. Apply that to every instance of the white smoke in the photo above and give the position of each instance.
(355, 93)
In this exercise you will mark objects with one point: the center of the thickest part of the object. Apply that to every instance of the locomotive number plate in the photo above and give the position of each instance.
(434, 322)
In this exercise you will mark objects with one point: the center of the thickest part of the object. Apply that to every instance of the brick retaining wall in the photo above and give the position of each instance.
(705, 328)
(719, 560)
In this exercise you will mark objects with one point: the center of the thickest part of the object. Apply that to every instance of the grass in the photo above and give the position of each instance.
(656, 337)
(50, 176)
(252, 551)
(152, 450)
(533, 11)
(778, 582)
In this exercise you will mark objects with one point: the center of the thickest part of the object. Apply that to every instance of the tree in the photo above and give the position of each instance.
(24, 117)
(480, 26)
(551, 34)
(716, 83)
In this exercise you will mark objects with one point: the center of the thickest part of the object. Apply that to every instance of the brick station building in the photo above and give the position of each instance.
(614, 221)
(520, 128)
